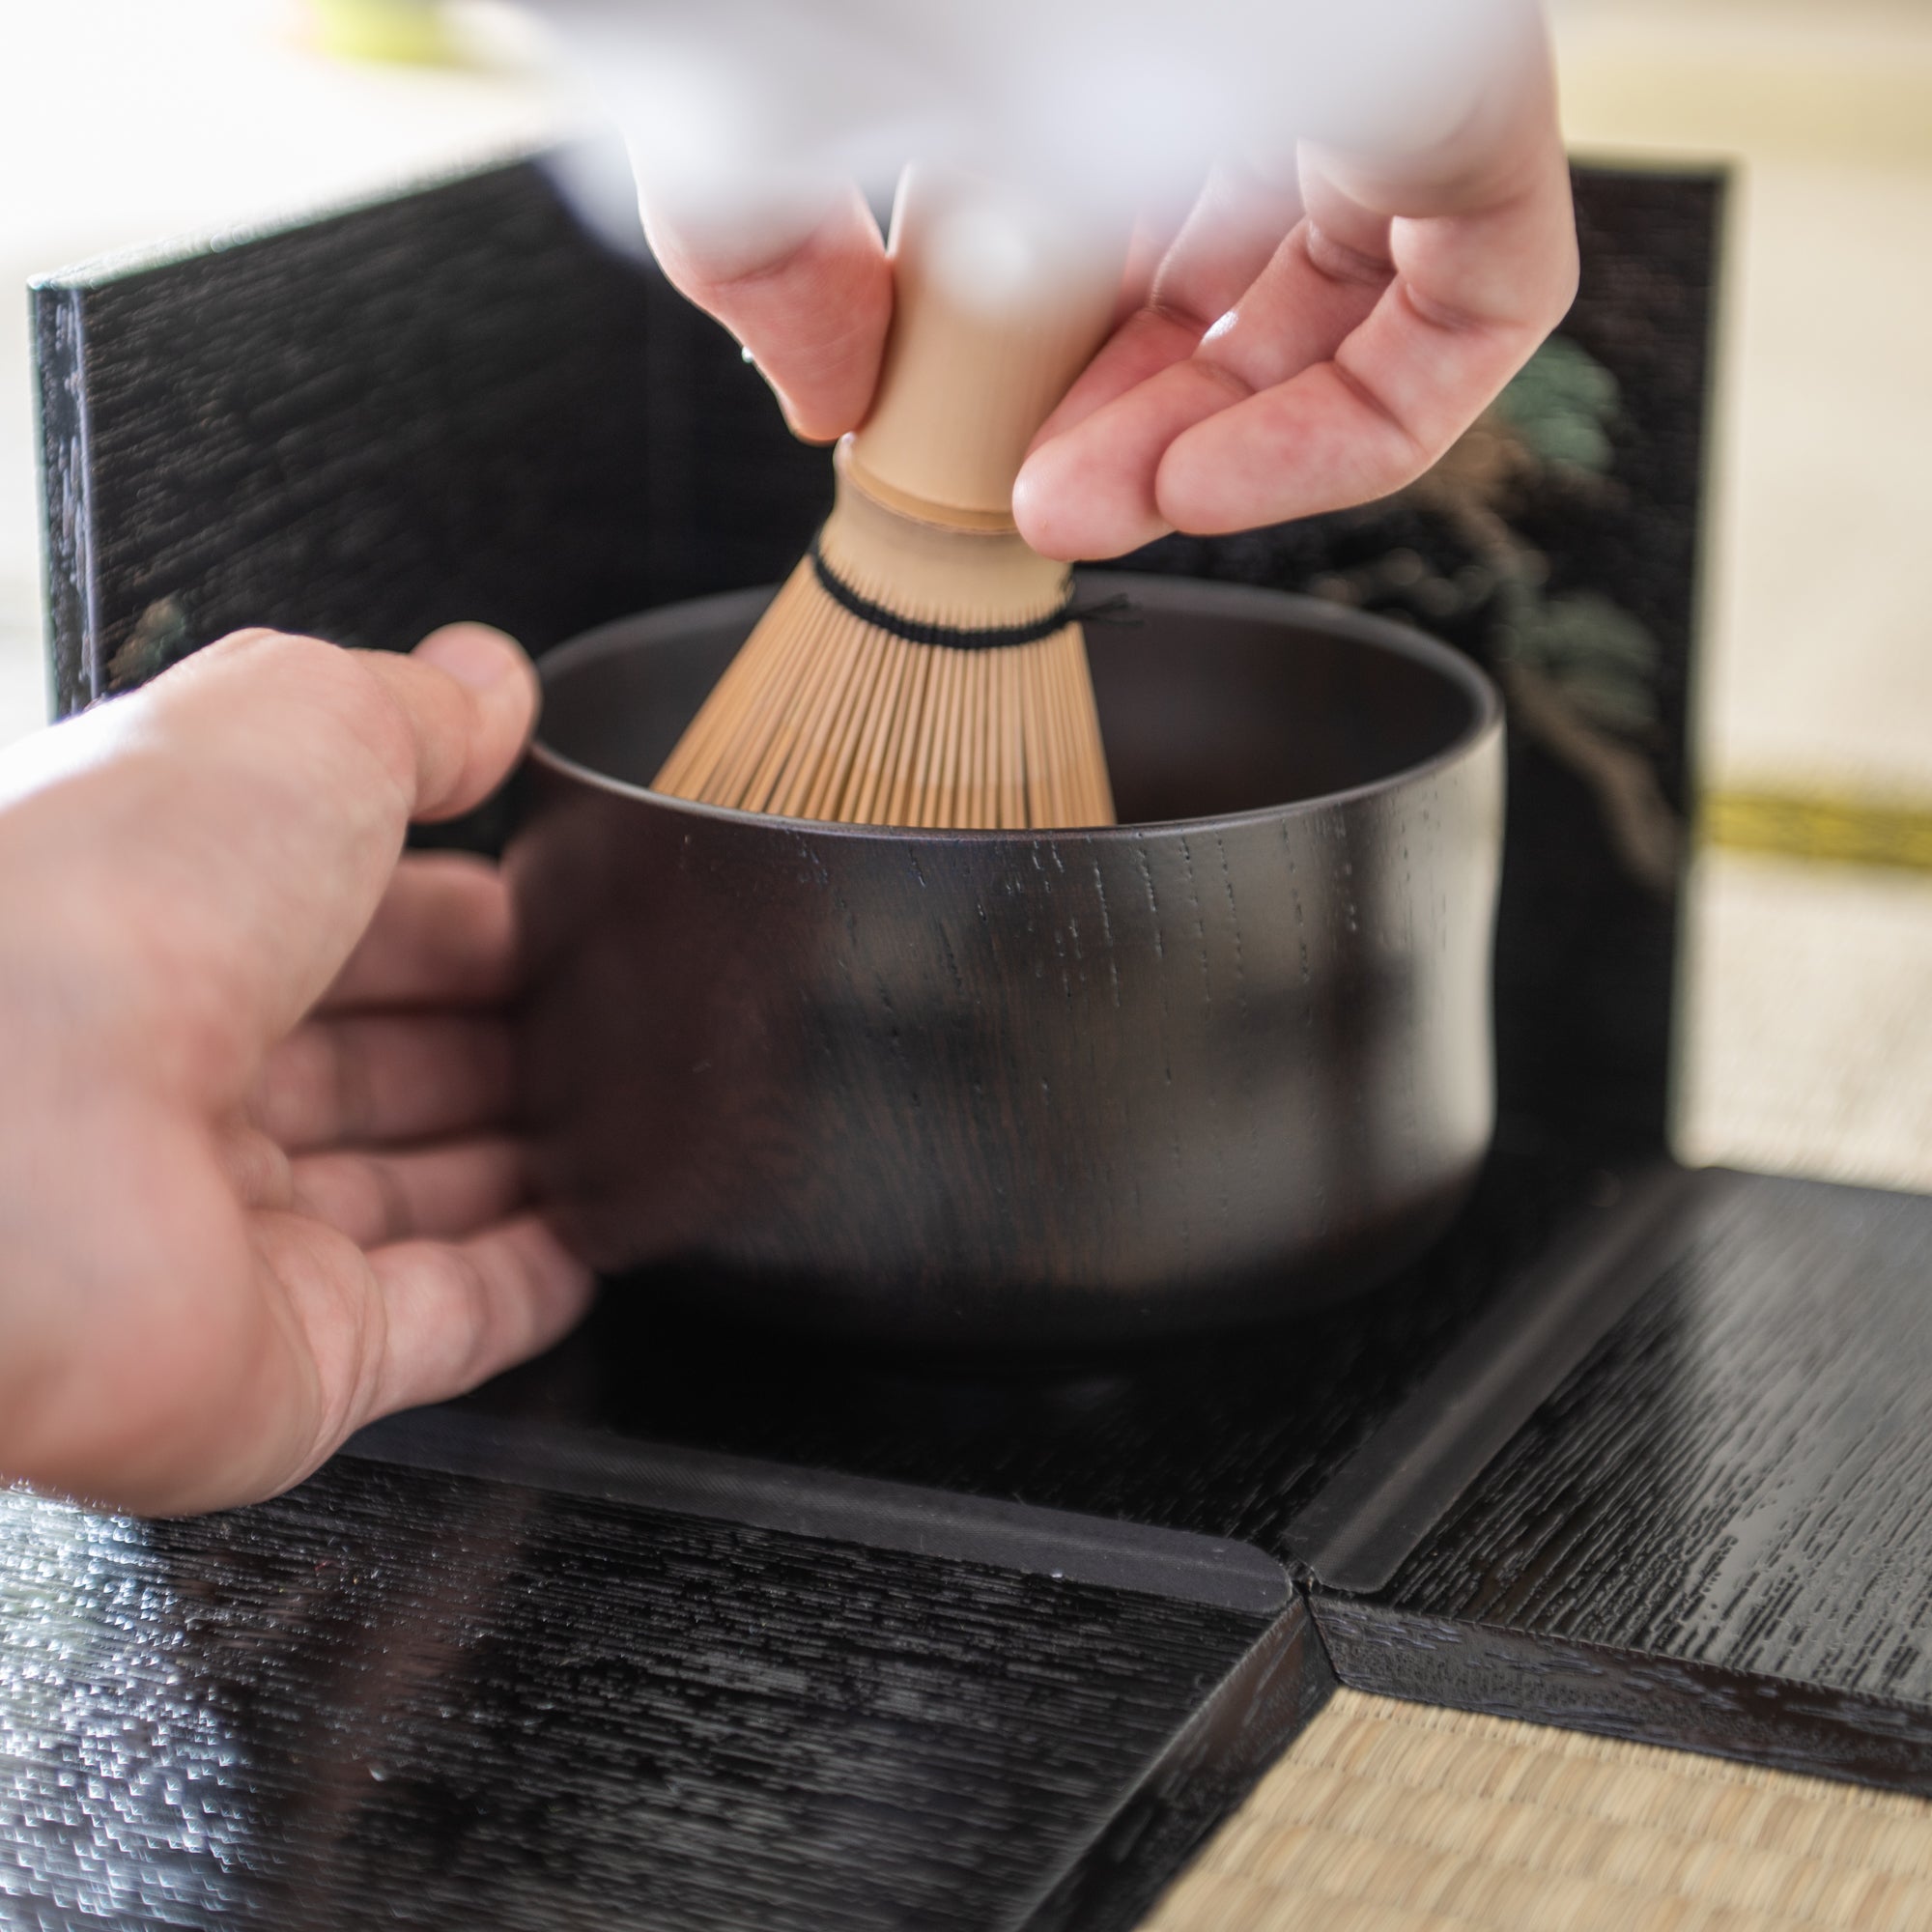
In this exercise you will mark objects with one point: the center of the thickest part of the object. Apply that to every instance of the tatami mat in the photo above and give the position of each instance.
(1394, 1817)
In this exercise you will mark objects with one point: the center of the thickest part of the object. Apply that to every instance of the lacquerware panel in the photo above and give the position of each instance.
(1649, 1697)
(448, 405)
(1723, 1512)
(397, 1697)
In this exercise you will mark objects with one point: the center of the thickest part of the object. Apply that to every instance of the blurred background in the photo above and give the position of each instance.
(1809, 958)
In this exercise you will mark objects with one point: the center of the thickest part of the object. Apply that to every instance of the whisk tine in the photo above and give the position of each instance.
(963, 702)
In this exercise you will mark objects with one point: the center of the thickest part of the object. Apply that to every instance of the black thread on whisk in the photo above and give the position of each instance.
(950, 636)
(1118, 609)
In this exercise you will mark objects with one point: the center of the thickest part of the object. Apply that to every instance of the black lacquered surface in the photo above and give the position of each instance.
(399, 1697)
(1717, 1530)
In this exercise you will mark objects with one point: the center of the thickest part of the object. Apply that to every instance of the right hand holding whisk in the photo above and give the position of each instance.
(1306, 338)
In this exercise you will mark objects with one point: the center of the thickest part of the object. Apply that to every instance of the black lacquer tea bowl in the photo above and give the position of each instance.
(1227, 1060)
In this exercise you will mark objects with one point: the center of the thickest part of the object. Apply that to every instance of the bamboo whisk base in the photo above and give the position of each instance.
(824, 714)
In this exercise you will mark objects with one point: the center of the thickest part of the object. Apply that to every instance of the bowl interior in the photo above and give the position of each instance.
(1213, 698)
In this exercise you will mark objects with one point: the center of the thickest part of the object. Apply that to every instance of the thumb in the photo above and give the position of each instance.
(810, 308)
(468, 697)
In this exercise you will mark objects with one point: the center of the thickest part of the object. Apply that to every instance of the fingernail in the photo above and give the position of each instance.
(477, 658)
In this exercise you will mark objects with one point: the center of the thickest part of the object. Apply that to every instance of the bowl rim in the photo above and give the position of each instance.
(1158, 590)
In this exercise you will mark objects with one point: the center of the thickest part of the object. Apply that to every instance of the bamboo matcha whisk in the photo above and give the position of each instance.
(924, 666)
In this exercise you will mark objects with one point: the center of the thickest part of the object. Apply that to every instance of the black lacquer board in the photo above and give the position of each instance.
(406, 1696)
(1716, 1530)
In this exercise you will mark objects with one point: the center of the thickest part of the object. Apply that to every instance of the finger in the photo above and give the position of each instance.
(443, 934)
(813, 315)
(442, 1192)
(385, 1078)
(457, 1313)
(1093, 491)
(1471, 298)
(362, 1335)
(1090, 492)
(468, 699)
(1235, 227)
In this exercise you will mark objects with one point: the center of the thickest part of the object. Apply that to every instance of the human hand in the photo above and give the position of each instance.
(257, 1184)
(1305, 340)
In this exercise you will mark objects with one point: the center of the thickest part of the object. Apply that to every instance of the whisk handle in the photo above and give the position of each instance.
(998, 306)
